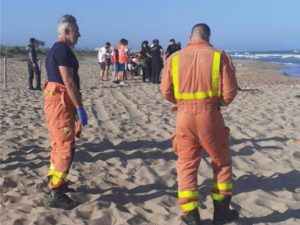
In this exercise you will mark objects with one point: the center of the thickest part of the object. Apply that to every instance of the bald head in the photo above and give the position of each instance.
(200, 31)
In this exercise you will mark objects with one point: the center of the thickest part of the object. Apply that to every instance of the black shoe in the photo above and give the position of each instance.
(192, 218)
(38, 88)
(58, 199)
(31, 88)
(222, 213)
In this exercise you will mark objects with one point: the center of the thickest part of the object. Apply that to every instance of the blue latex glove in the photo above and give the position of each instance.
(82, 116)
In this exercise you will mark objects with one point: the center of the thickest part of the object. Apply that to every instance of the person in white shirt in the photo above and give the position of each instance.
(104, 60)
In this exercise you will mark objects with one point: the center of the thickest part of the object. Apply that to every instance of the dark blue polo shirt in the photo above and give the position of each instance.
(61, 55)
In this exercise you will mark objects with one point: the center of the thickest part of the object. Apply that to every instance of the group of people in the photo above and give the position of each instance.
(149, 57)
(197, 79)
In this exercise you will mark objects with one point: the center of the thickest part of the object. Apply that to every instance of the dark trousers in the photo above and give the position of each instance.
(156, 69)
(31, 71)
(147, 70)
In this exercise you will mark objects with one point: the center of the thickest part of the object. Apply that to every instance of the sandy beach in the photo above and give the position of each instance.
(124, 170)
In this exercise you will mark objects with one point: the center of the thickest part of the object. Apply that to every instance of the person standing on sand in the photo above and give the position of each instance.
(104, 60)
(64, 112)
(32, 65)
(157, 62)
(198, 79)
(146, 56)
(123, 60)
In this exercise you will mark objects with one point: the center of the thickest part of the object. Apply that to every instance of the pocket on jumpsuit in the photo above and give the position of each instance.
(174, 143)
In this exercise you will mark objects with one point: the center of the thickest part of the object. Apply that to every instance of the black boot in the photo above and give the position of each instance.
(58, 199)
(192, 218)
(222, 213)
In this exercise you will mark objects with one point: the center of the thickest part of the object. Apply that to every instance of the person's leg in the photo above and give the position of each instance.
(187, 148)
(37, 77)
(215, 140)
(153, 71)
(61, 126)
(30, 77)
(107, 71)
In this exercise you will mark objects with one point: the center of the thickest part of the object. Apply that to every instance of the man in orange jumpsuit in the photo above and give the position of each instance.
(62, 106)
(199, 79)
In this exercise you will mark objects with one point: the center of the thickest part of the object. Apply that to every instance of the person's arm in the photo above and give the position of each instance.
(166, 87)
(161, 52)
(229, 81)
(72, 89)
(34, 64)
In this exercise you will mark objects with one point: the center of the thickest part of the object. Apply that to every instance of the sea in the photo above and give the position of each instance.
(290, 60)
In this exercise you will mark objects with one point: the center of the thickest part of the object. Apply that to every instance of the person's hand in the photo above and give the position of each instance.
(82, 116)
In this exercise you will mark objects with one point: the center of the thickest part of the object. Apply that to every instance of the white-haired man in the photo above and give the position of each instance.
(62, 104)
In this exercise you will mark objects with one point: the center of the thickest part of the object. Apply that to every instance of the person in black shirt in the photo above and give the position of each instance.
(173, 47)
(146, 56)
(63, 109)
(33, 67)
(156, 61)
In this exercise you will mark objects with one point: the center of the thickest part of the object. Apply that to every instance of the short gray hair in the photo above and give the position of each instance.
(65, 22)
(201, 30)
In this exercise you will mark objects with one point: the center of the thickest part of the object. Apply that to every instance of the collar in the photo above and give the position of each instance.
(199, 43)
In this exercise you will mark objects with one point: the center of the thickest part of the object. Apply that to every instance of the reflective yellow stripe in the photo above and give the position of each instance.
(188, 194)
(189, 206)
(76, 117)
(222, 186)
(51, 170)
(215, 74)
(202, 94)
(217, 197)
(60, 175)
(175, 74)
(57, 176)
(49, 93)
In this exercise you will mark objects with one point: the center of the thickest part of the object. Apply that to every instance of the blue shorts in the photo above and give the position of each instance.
(115, 67)
(121, 67)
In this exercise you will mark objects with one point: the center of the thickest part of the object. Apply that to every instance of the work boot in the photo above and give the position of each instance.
(222, 213)
(192, 218)
(58, 199)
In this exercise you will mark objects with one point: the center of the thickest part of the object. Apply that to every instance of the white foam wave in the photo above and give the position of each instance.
(259, 56)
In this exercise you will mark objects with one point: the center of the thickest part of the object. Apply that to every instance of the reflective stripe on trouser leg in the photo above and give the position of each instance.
(219, 189)
(190, 199)
(57, 178)
(51, 170)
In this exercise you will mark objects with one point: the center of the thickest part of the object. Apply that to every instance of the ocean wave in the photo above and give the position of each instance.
(259, 56)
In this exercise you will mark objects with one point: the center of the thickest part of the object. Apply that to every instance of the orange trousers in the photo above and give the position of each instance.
(60, 119)
(197, 130)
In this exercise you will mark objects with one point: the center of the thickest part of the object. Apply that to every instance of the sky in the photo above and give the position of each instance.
(236, 25)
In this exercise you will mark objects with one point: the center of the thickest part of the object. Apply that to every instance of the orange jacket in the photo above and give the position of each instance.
(187, 77)
(123, 57)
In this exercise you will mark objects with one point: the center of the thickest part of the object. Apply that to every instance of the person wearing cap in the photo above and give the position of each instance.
(172, 47)
(32, 65)
(199, 79)
(156, 60)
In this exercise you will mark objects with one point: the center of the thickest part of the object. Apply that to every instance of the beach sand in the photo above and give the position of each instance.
(125, 170)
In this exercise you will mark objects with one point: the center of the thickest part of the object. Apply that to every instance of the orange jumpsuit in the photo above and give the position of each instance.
(60, 115)
(198, 79)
